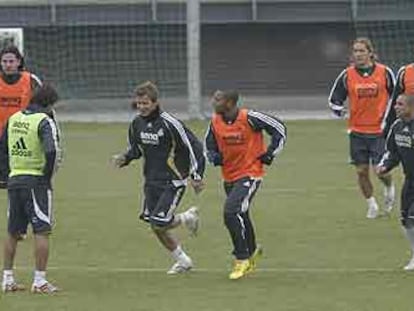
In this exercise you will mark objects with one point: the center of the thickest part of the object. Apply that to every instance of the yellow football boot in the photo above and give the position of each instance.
(254, 258)
(240, 269)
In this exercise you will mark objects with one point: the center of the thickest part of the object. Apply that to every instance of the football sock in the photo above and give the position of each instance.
(183, 217)
(371, 202)
(8, 276)
(179, 255)
(39, 277)
(390, 190)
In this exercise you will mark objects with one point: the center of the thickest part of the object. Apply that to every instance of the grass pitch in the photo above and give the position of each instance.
(320, 251)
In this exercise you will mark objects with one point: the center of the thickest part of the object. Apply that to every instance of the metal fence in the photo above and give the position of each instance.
(281, 55)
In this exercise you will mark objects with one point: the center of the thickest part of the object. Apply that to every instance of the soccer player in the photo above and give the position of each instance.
(29, 151)
(234, 141)
(400, 148)
(16, 84)
(368, 85)
(172, 155)
(405, 81)
(16, 88)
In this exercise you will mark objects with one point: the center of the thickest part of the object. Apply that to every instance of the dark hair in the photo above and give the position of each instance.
(45, 95)
(231, 95)
(408, 97)
(147, 88)
(12, 49)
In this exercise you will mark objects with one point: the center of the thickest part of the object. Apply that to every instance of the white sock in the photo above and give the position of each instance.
(390, 191)
(372, 202)
(8, 276)
(39, 278)
(180, 217)
(179, 255)
(183, 217)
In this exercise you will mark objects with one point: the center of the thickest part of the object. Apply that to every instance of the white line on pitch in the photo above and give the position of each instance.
(214, 270)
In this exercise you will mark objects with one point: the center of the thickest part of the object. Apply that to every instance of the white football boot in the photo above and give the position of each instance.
(192, 220)
(372, 212)
(180, 267)
(410, 265)
(46, 288)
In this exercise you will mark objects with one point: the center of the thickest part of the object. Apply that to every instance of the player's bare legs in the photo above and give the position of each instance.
(364, 181)
(367, 189)
(8, 283)
(10, 246)
(166, 238)
(41, 251)
(40, 284)
(183, 262)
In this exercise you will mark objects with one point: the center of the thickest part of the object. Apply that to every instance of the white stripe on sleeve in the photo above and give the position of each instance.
(181, 131)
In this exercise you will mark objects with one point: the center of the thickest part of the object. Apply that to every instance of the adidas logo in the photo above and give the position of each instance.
(246, 184)
(20, 144)
(406, 130)
(20, 149)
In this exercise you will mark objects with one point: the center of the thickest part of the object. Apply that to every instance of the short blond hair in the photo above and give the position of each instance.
(147, 88)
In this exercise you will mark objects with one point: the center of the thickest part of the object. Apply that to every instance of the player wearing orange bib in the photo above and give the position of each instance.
(404, 83)
(16, 86)
(234, 141)
(368, 85)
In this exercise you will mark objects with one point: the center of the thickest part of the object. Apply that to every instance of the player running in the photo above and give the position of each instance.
(234, 141)
(172, 154)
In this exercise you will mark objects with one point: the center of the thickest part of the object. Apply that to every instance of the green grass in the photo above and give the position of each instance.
(320, 251)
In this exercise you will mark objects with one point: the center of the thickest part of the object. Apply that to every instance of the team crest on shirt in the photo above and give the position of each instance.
(235, 138)
(10, 101)
(367, 90)
(149, 138)
(403, 141)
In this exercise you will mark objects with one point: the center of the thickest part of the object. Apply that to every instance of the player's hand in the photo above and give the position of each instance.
(337, 110)
(381, 170)
(119, 160)
(340, 114)
(266, 158)
(198, 185)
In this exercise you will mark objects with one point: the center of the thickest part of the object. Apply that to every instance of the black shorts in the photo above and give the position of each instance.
(160, 202)
(366, 149)
(32, 206)
(240, 194)
(407, 203)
